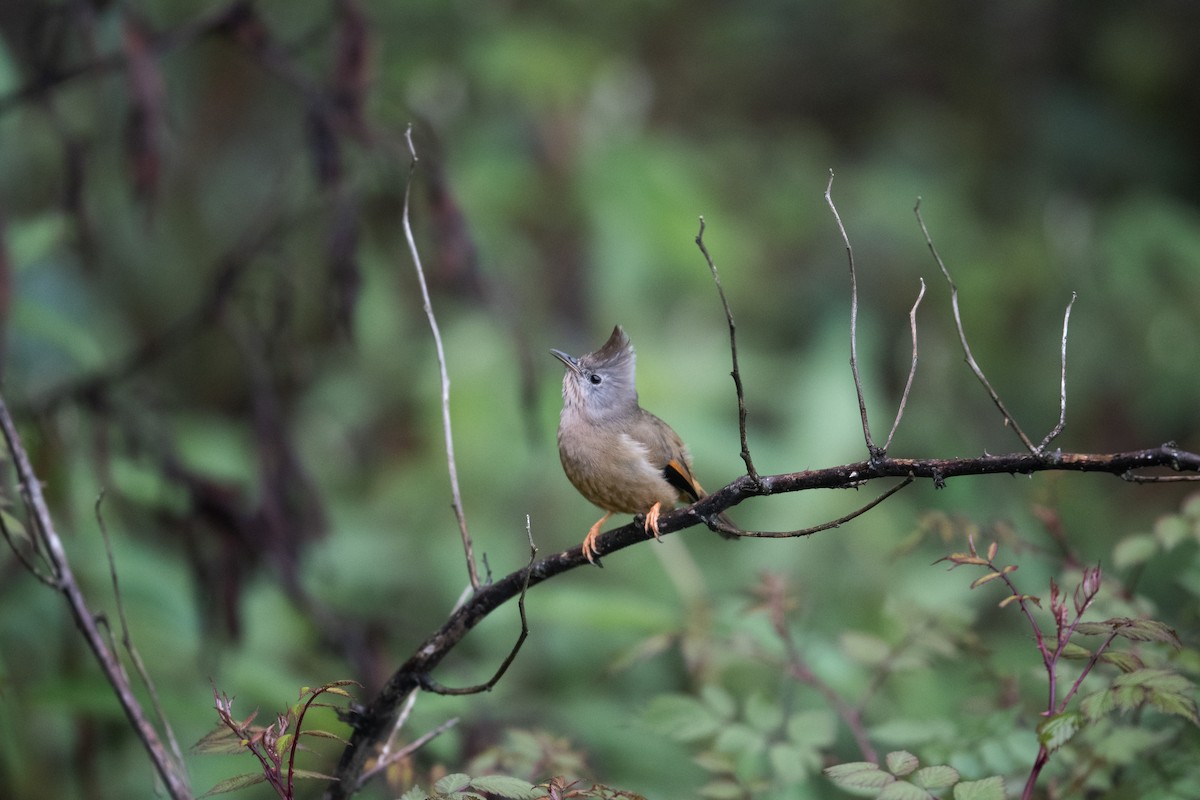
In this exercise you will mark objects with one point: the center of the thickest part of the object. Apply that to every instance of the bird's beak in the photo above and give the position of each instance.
(571, 362)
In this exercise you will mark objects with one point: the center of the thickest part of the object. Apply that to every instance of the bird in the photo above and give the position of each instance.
(619, 456)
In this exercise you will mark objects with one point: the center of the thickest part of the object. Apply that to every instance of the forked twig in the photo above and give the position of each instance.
(430, 685)
(872, 449)
(1062, 393)
(962, 338)
(736, 373)
(833, 523)
(456, 496)
(912, 372)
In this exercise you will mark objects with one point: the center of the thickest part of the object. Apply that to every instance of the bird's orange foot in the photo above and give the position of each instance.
(589, 541)
(652, 520)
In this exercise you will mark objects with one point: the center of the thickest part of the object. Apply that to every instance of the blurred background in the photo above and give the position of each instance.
(211, 317)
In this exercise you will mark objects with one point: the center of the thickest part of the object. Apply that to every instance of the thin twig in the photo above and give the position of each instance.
(962, 337)
(456, 496)
(736, 373)
(872, 449)
(172, 773)
(1062, 395)
(408, 749)
(127, 639)
(835, 523)
(912, 372)
(430, 685)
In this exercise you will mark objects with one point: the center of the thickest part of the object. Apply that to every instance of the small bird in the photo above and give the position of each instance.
(618, 455)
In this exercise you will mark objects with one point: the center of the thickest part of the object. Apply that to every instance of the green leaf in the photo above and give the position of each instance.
(1171, 530)
(221, 741)
(865, 649)
(901, 762)
(1075, 652)
(415, 793)
(938, 777)
(720, 701)
(235, 783)
(455, 782)
(763, 714)
(903, 790)
(681, 717)
(505, 786)
(1053, 732)
(722, 790)
(812, 728)
(714, 761)
(793, 764)
(987, 789)
(1134, 550)
(859, 775)
(312, 774)
(912, 731)
(739, 740)
(1149, 630)
(14, 526)
(1122, 660)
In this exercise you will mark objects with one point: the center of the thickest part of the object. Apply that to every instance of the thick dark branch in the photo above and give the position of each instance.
(373, 723)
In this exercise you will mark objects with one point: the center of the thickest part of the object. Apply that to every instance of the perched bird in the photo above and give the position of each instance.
(618, 455)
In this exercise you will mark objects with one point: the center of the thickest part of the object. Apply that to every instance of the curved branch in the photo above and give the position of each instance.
(373, 723)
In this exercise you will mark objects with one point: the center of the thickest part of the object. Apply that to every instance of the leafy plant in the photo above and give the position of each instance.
(275, 745)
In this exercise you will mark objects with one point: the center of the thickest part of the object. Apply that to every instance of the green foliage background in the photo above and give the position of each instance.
(1053, 147)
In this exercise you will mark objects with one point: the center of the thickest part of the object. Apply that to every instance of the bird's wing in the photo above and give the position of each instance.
(667, 453)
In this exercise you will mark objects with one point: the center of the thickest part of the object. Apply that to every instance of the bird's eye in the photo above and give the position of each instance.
(595, 379)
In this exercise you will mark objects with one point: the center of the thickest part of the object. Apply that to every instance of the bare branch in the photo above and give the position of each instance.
(172, 774)
(736, 373)
(1062, 395)
(912, 372)
(456, 496)
(962, 336)
(872, 449)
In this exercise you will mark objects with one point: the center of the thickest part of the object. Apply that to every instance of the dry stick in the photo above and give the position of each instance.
(912, 372)
(736, 373)
(456, 501)
(1062, 393)
(31, 489)
(962, 337)
(872, 449)
(127, 639)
